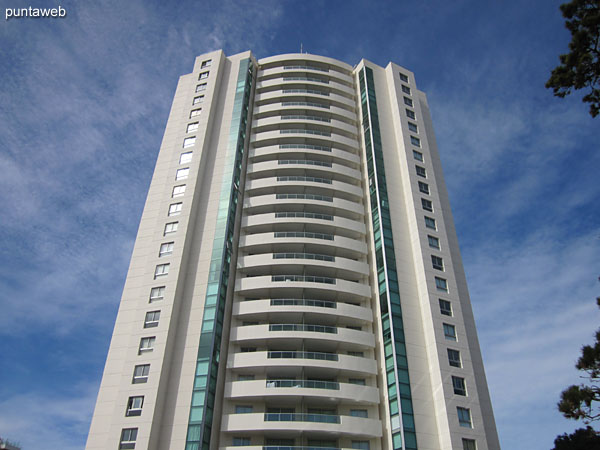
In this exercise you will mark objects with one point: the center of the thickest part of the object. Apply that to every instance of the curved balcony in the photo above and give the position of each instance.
(321, 363)
(295, 66)
(281, 286)
(318, 107)
(270, 333)
(313, 80)
(290, 59)
(262, 204)
(325, 390)
(299, 120)
(267, 185)
(273, 152)
(331, 170)
(311, 94)
(284, 262)
(297, 422)
(336, 245)
(282, 309)
(331, 139)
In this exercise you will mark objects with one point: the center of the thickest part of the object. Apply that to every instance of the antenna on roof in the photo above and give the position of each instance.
(300, 47)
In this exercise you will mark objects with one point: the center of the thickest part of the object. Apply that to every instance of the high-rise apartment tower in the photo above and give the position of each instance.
(296, 281)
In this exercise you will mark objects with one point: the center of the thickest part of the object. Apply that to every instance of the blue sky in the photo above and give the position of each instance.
(83, 104)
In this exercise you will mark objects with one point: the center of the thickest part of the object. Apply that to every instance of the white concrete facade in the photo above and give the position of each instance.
(298, 343)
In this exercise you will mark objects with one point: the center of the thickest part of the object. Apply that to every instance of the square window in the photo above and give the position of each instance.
(195, 112)
(411, 114)
(433, 242)
(413, 127)
(178, 191)
(423, 187)
(147, 344)
(171, 227)
(203, 75)
(186, 157)
(166, 249)
(464, 417)
(437, 262)
(469, 444)
(421, 171)
(175, 209)
(441, 284)
(134, 406)
(450, 332)
(418, 155)
(445, 307)
(206, 64)
(243, 409)
(408, 101)
(427, 205)
(197, 100)
(360, 445)
(182, 174)
(152, 318)
(128, 438)
(192, 127)
(241, 441)
(430, 223)
(359, 413)
(415, 141)
(405, 89)
(459, 386)
(140, 374)
(403, 77)
(189, 142)
(454, 358)
(161, 270)
(157, 293)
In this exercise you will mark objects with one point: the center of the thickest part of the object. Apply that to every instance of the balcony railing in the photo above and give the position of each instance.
(315, 256)
(278, 447)
(305, 68)
(302, 327)
(303, 278)
(322, 356)
(302, 302)
(300, 417)
(307, 215)
(308, 384)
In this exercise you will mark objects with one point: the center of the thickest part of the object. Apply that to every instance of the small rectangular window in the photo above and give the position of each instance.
(464, 417)
(134, 406)
(241, 441)
(413, 127)
(197, 100)
(405, 89)
(433, 242)
(415, 141)
(450, 332)
(166, 249)
(128, 438)
(437, 262)
(423, 187)
(360, 445)
(140, 374)
(151, 319)
(243, 409)
(195, 112)
(178, 191)
(189, 142)
(403, 77)
(421, 171)
(175, 209)
(430, 223)
(427, 205)
(357, 354)
(171, 227)
(186, 157)
(157, 293)
(359, 413)
(161, 270)
(203, 75)
(408, 101)
(445, 307)
(418, 155)
(459, 386)
(411, 114)
(469, 444)
(441, 284)
(247, 349)
(201, 87)
(192, 127)
(182, 174)
(206, 64)
(147, 344)
(246, 377)
(454, 358)
(358, 381)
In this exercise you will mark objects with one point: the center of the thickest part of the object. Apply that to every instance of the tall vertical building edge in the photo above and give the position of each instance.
(296, 281)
